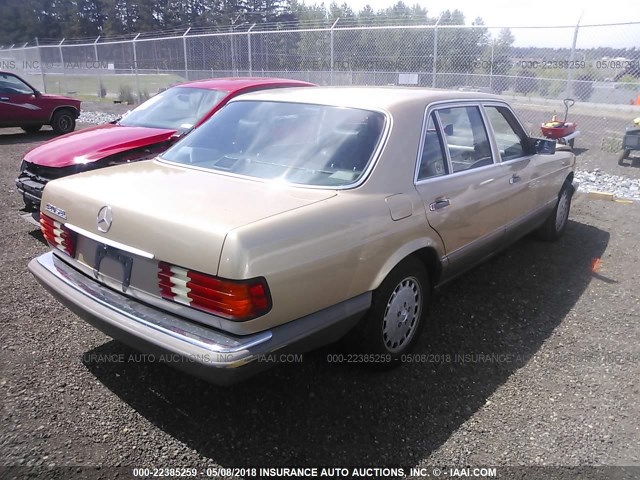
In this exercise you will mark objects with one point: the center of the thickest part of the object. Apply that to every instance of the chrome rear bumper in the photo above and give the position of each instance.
(211, 354)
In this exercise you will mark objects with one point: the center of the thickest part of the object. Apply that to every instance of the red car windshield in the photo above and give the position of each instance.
(178, 108)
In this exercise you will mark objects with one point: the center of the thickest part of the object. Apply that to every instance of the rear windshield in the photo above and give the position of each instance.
(295, 143)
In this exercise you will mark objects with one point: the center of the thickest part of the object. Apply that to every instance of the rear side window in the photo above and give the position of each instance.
(433, 162)
(510, 137)
(466, 138)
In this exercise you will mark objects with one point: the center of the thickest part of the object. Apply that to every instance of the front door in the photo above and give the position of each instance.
(17, 105)
(521, 164)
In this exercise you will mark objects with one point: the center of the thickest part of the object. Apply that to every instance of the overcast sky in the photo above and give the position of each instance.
(513, 13)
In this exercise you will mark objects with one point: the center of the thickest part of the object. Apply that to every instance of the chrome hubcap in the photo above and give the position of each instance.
(563, 210)
(402, 314)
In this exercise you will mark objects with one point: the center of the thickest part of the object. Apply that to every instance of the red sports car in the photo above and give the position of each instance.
(23, 106)
(143, 133)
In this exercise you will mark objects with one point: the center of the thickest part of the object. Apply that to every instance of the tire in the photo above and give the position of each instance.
(29, 206)
(625, 154)
(555, 225)
(402, 297)
(31, 128)
(63, 121)
(571, 142)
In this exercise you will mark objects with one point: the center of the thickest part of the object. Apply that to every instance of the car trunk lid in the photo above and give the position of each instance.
(177, 214)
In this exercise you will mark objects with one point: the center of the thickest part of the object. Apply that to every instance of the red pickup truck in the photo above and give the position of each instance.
(23, 106)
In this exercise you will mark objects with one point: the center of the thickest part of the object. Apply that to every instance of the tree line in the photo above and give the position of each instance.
(24, 20)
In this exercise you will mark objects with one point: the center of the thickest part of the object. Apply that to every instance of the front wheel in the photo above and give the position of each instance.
(63, 121)
(555, 225)
(624, 155)
(397, 314)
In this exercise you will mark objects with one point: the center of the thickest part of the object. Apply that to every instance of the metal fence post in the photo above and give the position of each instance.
(61, 63)
(95, 54)
(332, 27)
(493, 44)
(60, 50)
(434, 69)
(95, 48)
(44, 83)
(184, 50)
(135, 66)
(233, 49)
(569, 89)
(249, 49)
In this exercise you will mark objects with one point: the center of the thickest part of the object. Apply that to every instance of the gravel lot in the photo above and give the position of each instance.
(535, 361)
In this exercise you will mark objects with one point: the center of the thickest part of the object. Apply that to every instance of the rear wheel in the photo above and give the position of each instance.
(63, 121)
(31, 128)
(397, 314)
(571, 142)
(625, 154)
(555, 225)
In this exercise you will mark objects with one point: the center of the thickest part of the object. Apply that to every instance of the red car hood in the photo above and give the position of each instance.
(95, 143)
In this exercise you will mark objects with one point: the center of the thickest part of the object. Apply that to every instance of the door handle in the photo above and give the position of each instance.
(4, 99)
(438, 204)
(514, 179)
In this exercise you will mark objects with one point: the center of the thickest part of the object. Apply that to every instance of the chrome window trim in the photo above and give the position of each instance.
(373, 161)
(435, 106)
(441, 141)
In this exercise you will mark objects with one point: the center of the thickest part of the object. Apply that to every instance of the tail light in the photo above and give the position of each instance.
(58, 235)
(237, 300)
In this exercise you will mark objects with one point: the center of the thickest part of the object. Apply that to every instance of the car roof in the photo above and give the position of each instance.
(232, 84)
(384, 98)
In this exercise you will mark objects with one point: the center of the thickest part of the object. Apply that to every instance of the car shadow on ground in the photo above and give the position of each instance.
(19, 137)
(36, 233)
(503, 310)
(577, 151)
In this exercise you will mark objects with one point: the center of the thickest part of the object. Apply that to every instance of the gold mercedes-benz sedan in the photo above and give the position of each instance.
(295, 217)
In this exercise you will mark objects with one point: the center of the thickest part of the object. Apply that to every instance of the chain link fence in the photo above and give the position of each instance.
(592, 63)
(535, 68)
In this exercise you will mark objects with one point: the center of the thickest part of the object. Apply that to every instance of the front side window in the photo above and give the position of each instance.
(178, 108)
(290, 142)
(433, 162)
(466, 138)
(12, 85)
(510, 138)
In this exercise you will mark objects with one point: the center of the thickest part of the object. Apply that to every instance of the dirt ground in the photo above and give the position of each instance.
(533, 360)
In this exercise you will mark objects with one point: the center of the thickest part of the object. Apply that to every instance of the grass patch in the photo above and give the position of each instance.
(91, 85)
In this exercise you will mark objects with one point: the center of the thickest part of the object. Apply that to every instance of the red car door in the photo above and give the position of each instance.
(18, 102)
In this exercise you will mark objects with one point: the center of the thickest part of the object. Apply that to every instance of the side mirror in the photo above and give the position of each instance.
(36, 93)
(544, 146)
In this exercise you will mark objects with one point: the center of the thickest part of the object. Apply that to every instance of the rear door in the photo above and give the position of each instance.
(463, 186)
(17, 102)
